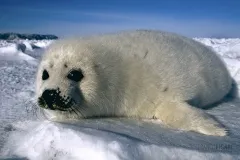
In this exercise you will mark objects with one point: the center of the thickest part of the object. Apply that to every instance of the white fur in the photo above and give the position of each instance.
(143, 74)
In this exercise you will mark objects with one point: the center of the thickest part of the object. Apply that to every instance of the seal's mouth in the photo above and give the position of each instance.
(52, 100)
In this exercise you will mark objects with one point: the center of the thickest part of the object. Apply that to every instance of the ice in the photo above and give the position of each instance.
(25, 135)
(43, 43)
(228, 48)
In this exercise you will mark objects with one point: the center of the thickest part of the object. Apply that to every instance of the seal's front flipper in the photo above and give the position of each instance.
(182, 116)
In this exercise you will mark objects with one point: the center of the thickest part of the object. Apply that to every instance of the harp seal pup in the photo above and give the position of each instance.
(140, 74)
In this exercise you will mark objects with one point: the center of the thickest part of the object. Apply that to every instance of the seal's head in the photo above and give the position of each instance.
(73, 79)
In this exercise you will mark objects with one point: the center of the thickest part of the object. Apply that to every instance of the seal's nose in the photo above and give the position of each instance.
(51, 99)
(49, 96)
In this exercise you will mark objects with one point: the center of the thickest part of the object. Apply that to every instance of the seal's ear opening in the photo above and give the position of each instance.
(75, 75)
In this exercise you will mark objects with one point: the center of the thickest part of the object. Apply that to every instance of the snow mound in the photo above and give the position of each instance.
(28, 45)
(43, 43)
(23, 50)
(13, 54)
(112, 139)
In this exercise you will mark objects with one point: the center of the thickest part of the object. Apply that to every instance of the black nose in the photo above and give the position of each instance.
(49, 96)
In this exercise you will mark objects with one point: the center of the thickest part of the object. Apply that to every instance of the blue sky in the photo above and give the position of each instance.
(201, 18)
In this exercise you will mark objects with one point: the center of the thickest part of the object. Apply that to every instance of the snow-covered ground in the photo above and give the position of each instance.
(24, 135)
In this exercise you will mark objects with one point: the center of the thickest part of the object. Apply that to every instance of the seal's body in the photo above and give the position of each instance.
(144, 74)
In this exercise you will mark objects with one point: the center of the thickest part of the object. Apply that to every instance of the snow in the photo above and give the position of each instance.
(25, 134)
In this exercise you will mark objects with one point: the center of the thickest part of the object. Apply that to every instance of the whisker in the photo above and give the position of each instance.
(30, 106)
(78, 110)
(75, 112)
(33, 110)
(41, 114)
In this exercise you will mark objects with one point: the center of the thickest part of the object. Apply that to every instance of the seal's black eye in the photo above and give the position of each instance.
(75, 75)
(45, 75)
